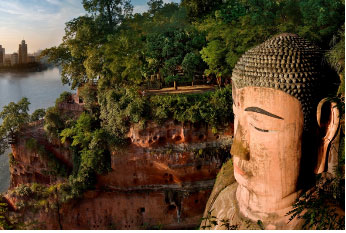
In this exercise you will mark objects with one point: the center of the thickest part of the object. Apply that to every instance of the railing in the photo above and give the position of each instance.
(36, 123)
(156, 85)
(71, 106)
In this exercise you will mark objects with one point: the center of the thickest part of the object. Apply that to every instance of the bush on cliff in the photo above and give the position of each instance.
(122, 107)
(119, 108)
(56, 167)
(55, 120)
(64, 97)
(38, 114)
(4, 223)
(91, 151)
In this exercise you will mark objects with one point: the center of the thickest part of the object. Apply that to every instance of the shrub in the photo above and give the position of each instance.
(38, 114)
(64, 97)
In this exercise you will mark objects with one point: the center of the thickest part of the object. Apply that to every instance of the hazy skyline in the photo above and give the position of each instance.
(42, 22)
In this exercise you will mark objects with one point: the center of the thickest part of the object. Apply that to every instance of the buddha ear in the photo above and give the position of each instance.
(328, 119)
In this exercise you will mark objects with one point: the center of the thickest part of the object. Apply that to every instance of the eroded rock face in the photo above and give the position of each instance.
(154, 183)
(28, 164)
(173, 132)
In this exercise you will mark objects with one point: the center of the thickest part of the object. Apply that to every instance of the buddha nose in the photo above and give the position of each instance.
(240, 147)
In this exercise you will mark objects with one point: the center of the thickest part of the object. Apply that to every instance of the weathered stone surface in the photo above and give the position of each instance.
(275, 149)
(151, 184)
(280, 61)
(27, 166)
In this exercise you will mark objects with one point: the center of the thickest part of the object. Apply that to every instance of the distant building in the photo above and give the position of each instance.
(23, 53)
(7, 61)
(14, 59)
(31, 58)
(2, 55)
(3, 52)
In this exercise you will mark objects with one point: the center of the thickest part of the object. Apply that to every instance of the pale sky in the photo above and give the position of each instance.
(41, 22)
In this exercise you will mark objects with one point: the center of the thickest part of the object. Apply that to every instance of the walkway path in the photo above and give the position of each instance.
(183, 90)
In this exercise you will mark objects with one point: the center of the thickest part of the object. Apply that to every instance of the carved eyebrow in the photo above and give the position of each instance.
(262, 111)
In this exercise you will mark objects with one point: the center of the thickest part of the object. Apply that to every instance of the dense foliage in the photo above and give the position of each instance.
(320, 207)
(4, 224)
(38, 114)
(196, 37)
(55, 167)
(122, 107)
(89, 143)
(13, 116)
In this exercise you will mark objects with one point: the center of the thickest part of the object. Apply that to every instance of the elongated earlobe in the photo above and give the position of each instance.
(328, 119)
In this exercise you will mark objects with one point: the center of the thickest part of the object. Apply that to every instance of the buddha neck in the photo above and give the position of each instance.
(264, 208)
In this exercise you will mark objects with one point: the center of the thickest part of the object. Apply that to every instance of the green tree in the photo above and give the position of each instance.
(110, 13)
(336, 57)
(214, 54)
(166, 51)
(192, 64)
(154, 6)
(197, 9)
(239, 25)
(94, 157)
(81, 54)
(38, 114)
(13, 115)
(119, 108)
(125, 57)
(321, 19)
(81, 36)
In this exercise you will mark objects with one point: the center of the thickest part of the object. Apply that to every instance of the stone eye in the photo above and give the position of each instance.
(261, 130)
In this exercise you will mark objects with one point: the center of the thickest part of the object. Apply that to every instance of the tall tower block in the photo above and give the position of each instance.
(23, 53)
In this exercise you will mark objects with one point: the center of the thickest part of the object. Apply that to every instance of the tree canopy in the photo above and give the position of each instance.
(13, 116)
(115, 46)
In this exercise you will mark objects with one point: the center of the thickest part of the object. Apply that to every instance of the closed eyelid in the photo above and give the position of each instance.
(263, 130)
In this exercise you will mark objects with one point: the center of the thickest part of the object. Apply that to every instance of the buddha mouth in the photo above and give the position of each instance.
(239, 170)
(242, 176)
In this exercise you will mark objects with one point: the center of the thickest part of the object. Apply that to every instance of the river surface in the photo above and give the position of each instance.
(41, 88)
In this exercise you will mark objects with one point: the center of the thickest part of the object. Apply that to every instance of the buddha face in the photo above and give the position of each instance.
(268, 127)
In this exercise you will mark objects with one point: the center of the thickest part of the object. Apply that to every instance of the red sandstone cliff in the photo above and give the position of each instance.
(163, 178)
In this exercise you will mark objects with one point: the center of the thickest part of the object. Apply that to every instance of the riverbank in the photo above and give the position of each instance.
(41, 88)
(20, 68)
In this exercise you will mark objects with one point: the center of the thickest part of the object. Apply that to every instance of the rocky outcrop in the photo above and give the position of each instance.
(32, 156)
(161, 180)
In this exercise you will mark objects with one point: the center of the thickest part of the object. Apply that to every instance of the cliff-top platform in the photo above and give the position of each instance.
(183, 90)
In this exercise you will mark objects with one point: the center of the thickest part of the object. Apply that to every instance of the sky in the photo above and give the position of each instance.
(41, 23)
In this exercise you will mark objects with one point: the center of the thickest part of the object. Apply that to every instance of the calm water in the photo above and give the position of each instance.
(41, 88)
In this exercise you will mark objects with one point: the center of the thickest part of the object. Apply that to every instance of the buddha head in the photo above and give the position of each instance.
(282, 128)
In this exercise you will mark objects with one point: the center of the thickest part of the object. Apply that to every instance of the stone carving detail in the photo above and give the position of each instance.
(286, 62)
(281, 134)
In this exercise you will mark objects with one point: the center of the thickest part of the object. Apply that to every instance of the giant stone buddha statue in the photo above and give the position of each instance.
(282, 131)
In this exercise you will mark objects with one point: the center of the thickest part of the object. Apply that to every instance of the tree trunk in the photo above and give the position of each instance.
(109, 15)
(175, 85)
(159, 80)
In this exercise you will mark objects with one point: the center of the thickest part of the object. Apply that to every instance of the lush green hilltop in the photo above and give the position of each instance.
(197, 37)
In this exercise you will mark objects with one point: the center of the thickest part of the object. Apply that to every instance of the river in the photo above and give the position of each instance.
(41, 88)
